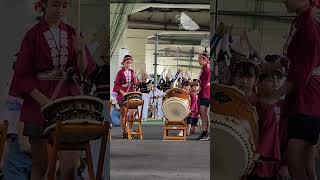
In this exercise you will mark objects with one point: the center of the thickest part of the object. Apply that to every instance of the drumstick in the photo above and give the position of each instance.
(57, 89)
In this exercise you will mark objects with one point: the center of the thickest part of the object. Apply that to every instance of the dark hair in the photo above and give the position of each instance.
(44, 8)
(246, 69)
(126, 57)
(205, 55)
(186, 83)
(194, 83)
(272, 58)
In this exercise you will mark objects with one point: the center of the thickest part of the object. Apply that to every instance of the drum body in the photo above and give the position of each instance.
(176, 104)
(73, 110)
(234, 128)
(133, 99)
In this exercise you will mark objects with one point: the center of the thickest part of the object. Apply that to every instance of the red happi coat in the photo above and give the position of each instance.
(205, 82)
(121, 80)
(38, 53)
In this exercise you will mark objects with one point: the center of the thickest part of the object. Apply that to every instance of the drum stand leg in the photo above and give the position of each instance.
(53, 152)
(102, 150)
(137, 117)
(171, 125)
(89, 162)
(56, 146)
(3, 132)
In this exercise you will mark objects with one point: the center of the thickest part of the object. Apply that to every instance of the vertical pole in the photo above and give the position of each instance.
(178, 53)
(156, 59)
(216, 16)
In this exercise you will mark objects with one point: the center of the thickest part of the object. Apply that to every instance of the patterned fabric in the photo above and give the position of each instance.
(127, 73)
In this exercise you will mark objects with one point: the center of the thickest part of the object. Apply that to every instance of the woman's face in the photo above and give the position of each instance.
(202, 61)
(56, 9)
(127, 63)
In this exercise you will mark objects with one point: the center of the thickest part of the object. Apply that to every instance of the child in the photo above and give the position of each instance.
(186, 87)
(244, 75)
(272, 129)
(145, 88)
(115, 111)
(125, 81)
(193, 118)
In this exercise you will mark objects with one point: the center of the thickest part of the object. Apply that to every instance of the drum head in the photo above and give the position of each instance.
(228, 156)
(133, 93)
(175, 110)
(177, 92)
(232, 148)
(229, 101)
(71, 98)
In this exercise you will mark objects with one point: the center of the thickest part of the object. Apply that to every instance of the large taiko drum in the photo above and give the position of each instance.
(176, 104)
(234, 133)
(82, 110)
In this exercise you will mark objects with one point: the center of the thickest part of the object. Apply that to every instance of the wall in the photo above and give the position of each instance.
(16, 15)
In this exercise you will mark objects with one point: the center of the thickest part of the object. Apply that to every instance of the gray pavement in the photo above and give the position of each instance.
(154, 159)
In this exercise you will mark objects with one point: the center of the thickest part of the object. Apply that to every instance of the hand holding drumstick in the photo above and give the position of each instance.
(39, 97)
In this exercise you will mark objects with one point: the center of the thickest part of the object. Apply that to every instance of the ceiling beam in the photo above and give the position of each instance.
(154, 25)
(142, 6)
(284, 18)
(164, 10)
(163, 1)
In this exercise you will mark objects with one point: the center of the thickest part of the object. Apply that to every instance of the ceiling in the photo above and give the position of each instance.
(163, 1)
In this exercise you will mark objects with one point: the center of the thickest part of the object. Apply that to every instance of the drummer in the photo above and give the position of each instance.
(204, 94)
(47, 50)
(145, 87)
(272, 128)
(245, 74)
(156, 97)
(125, 82)
(192, 120)
(185, 86)
(168, 83)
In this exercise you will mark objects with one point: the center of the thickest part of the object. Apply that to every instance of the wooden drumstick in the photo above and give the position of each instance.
(57, 89)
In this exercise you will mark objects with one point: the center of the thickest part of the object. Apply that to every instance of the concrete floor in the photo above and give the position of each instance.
(154, 159)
